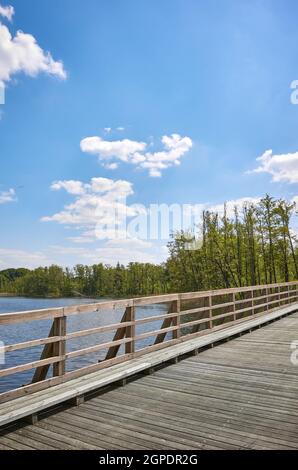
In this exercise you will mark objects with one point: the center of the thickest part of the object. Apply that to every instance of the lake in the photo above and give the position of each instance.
(11, 334)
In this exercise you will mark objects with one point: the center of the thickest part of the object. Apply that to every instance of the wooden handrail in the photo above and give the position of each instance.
(214, 309)
(42, 314)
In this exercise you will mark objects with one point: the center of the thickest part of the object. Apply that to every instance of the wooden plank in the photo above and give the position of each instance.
(119, 335)
(97, 307)
(156, 299)
(209, 304)
(31, 344)
(59, 348)
(167, 323)
(97, 330)
(162, 331)
(97, 347)
(48, 351)
(155, 318)
(195, 322)
(170, 352)
(29, 365)
(177, 320)
(195, 404)
(130, 331)
(191, 311)
(31, 315)
(223, 305)
(234, 307)
(115, 326)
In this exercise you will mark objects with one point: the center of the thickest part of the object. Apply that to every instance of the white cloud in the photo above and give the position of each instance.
(135, 152)
(14, 258)
(71, 255)
(100, 214)
(98, 210)
(7, 12)
(120, 149)
(22, 53)
(83, 239)
(110, 253)
(111, 166)
(70, 186)
(282, 167)
(7, 196)
(175, 147)
(231, 204)
(129, 243)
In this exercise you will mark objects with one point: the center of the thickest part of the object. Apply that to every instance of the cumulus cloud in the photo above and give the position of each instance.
(70, 186)
(7, 196)
(175, 147)
(64, 255)
(7, 12)
(22, 54)
(99, 213)
(123, 150)
(99, 208)
(110, 254)
(231, 204)
(282, 167)
(14, 258)
(136, 152)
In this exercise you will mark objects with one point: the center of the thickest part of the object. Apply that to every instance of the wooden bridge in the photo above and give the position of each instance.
(217, 375)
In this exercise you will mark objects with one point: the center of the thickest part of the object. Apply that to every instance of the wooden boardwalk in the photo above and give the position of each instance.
(242, 394)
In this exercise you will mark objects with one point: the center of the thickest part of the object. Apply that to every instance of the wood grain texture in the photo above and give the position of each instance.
(241, 394)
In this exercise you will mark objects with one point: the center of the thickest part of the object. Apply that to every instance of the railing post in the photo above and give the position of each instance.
(267, 304)
(252, 302)
(176, 307)
(59, 348)
(130, 330)
(234, 306)
(210, 312)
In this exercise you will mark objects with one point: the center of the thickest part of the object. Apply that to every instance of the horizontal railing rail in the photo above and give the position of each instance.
(188, 315)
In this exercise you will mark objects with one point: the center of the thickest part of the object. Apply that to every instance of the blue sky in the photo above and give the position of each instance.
(216, 75)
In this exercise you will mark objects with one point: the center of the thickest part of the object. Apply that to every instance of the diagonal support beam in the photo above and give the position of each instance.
(48, 350)
(167, 323)
(120, 334)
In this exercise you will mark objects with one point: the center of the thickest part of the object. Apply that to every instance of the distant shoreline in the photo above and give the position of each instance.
(5, 294)
(47, 296)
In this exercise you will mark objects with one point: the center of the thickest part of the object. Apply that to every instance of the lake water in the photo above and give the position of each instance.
(11, 334)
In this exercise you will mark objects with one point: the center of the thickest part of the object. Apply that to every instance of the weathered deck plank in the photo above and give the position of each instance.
(239, 395)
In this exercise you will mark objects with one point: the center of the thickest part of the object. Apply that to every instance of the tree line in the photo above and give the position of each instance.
(252, 245)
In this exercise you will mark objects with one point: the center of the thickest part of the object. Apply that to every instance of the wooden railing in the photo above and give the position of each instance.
(188, 315)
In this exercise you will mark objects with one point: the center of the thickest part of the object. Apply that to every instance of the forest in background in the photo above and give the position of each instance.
(253, 245)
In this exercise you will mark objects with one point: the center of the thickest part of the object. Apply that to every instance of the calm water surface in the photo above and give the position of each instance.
(11, 334)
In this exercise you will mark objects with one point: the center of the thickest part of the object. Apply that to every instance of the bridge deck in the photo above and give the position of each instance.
(239, 395)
